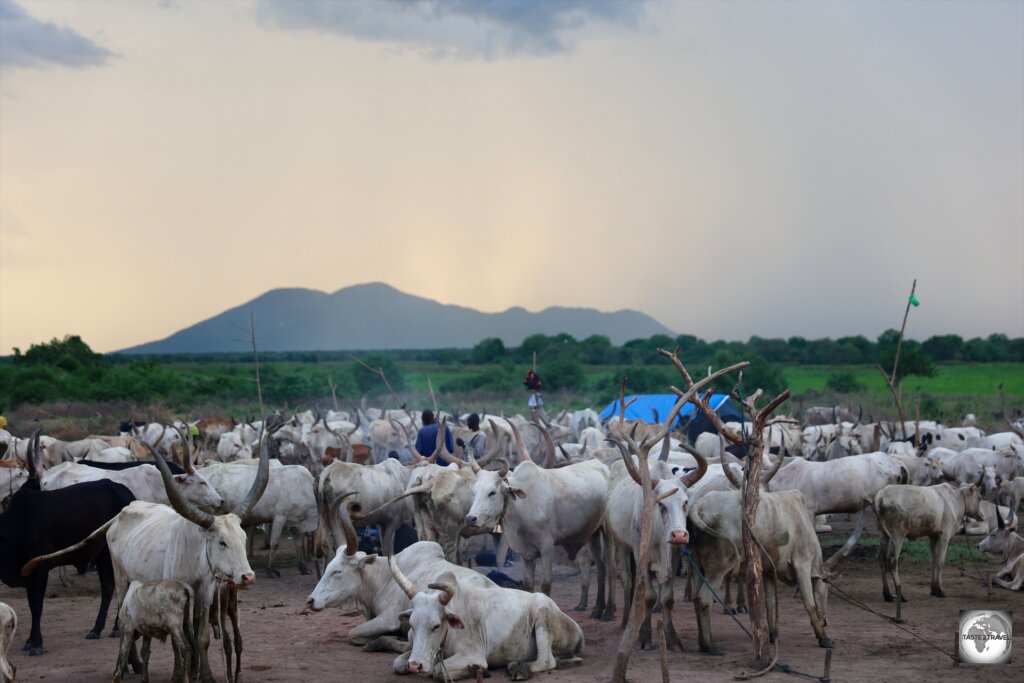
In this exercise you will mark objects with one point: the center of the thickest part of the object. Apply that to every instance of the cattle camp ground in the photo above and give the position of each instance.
(326, 448)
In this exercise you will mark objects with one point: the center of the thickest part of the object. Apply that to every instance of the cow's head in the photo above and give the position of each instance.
(491, 494)
(429, 619)
(671, 510)
(972, 500)
(988, 479)
(344, 579)
(1000, 538)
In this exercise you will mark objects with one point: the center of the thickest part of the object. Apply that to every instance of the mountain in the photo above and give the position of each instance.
(378, 316)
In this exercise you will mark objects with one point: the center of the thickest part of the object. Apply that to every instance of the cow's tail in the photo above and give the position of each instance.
(323, 507)
(704, 528)
(884, 551)
(30, 566)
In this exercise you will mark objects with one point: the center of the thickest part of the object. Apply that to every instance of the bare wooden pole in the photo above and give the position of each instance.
(334, 391)
(433, 398)
(256, 360)
(663, 652)
(899, 342)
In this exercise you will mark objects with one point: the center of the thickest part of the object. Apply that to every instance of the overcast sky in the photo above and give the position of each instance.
(732, 169)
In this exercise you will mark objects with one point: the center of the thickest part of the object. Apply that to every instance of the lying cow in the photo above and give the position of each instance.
(157, 610)
(8, 625)
(909, 512)
(1005, 539)
(457, 630)
(356, 580)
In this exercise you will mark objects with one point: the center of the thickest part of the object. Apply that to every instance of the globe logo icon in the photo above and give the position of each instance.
(985, 637)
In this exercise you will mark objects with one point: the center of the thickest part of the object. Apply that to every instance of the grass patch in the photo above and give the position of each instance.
(915, 552)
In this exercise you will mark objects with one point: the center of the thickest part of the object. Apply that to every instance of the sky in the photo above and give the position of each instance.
(732, 169)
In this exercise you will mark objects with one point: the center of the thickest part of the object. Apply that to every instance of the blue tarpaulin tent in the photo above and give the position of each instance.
(656, 407)
(653, 408)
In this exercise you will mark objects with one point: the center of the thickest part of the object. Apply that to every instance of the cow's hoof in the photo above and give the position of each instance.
(729, 611)
(742, 609)
(376, 645)
(888, 598)
(304, 571)
(27, 646)
(273, 574)
(937, 592)
(92, 635)
(519, 671)
(473, 668)
(645, 643)
(826, 642)
(115, 633)
(582, 606)
(35, 651)
(712, 650)
(676, 645)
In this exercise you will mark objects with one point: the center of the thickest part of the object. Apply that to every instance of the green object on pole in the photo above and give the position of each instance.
(914, 301)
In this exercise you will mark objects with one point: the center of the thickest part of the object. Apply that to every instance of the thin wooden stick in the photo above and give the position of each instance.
(256, 360)
(433, 398)
(663, 652)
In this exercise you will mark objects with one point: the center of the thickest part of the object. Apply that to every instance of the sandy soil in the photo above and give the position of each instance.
(286, 642)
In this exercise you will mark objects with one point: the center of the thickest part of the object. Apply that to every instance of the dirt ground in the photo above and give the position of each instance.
(283, 641)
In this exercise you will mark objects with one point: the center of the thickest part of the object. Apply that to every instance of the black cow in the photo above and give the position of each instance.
(118, 466)
(41, 522)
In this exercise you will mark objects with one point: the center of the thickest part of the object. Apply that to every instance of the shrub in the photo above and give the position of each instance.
(843, 383)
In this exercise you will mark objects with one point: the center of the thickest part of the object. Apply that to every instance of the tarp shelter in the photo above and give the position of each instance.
(653, 408)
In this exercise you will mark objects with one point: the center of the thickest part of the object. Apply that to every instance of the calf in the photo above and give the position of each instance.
(457, 630)
(8, 625)
(157, 610)
(909, 512)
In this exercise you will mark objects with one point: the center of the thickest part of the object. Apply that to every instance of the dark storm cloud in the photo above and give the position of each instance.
(30, 43)
(459, 28)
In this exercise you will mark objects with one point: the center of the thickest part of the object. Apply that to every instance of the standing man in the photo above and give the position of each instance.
(478, 441)
(426, 440)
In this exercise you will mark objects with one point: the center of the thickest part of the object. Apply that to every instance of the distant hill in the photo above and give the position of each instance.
(378, 316)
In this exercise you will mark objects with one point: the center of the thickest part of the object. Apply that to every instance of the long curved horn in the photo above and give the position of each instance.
(347, 527)
(549, 457)
(442, 428)
(405, 584)
(999, 518)
(695, 476)
(35, 467)
(259, 485)
(627, 460)
(730, 475)
(178, 501)
(503, 471)
(524, 454)
(666, 446)
(500, 446)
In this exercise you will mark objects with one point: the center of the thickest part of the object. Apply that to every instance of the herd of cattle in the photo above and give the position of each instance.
(161, 511)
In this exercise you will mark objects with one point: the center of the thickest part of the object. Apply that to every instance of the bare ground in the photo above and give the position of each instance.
(286, 642)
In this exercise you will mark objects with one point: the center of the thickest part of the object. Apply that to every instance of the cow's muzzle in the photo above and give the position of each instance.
(679, 537)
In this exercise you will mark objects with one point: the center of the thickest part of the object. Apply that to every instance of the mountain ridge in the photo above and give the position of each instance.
(375, 316)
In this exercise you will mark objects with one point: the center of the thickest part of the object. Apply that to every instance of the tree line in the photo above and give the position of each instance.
(67, 369)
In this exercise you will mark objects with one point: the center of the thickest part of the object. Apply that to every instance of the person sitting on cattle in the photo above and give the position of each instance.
(427, 438)
(478, 442)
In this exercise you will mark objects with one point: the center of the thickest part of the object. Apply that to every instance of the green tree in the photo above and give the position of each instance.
(561, 373)
(490, 350)
(843, 383)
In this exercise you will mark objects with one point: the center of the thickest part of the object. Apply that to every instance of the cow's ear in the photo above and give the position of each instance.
(179, 478)
(454, 620)
(518, 493)
(403, 618)
(369, 559)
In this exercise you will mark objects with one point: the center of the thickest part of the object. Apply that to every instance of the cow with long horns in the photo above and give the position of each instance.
(151, 542)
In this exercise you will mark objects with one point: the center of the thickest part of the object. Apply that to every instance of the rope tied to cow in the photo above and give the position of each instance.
(780, 666)
(846, 597)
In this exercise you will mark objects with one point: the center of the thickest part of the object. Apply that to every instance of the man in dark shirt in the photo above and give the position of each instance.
(426, 440)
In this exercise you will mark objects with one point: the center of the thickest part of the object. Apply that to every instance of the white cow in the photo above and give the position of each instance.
(566, 507)
(371, 487)
(909, 512)
(1004, 539)
(144, 481)
(150, 542)
(289, 500)
(8, 625)
(457, 630)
